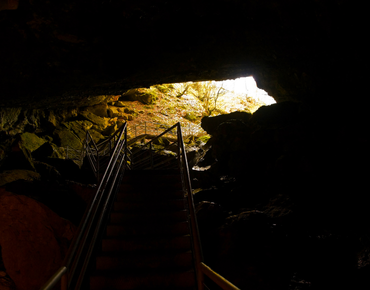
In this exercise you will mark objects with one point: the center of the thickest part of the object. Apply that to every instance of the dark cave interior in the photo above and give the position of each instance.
(59, 56)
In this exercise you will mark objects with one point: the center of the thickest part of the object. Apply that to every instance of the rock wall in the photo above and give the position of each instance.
(63, 54)
(33, 240)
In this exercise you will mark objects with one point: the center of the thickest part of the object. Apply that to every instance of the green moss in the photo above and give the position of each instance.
(190, 116)
(204, 138)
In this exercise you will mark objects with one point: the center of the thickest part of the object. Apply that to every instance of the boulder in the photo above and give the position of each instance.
(33, 239)
(145, 96)
(101, 110)
(79, 128)
(9, 117)
(67, 138)
(210, 124)
(100, 123)
(119, 104)
(110, 130)
(277, 114)
(18, 157)
(49, 150)
(9, 176)
(114, 111)
(31, 141)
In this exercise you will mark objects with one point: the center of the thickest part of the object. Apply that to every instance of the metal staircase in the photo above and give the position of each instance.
(140, 230)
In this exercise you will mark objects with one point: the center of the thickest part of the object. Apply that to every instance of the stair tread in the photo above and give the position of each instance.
(145, 243)
(178, 228)
(167, 204)
(103, 279)
(145, 261)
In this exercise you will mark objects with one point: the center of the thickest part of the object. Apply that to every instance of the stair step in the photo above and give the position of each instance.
(161, 205)
(145, 243)
(150, 186)
(149, 195)
(150, 217)
(144, 260)
(180, 228)
(138, 179)
(143, 280)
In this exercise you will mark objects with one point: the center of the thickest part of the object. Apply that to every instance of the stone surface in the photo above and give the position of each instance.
(17, 156)
(100, 123)
(142, 95)
(292, 49)
(65, 138)
(31, 141)
(210, 124)
(33, 240)
(9, 176)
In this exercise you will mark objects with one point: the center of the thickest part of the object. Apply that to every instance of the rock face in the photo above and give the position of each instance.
(278, 177)
(295, 50)
(33, 239)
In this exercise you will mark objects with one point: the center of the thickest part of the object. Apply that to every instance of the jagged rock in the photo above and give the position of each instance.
(31, 141)
(97, 136)
(9, 176)
(210, 124)
(277, 114)
(33, 239)
(119, 104)
(129, 111)
(49, 150)
(18, 157)
(142, 95)
(114, 111)
(79, 128)
(100, 123)
(101, 110)
(9, 117)
(66, 138)
(110, 130)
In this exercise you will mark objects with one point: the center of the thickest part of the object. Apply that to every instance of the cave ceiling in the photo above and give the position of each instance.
(55, 52)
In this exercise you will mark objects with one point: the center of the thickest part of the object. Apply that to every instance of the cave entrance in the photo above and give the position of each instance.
(242, 94)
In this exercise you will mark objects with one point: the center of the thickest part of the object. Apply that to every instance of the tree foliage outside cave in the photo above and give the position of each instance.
(207, 92)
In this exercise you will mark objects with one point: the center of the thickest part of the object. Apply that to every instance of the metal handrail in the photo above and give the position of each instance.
(96, 213)
(93, 219)
(201, 268)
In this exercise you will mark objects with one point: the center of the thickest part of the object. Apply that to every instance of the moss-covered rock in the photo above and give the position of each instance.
(67, 138)
(101, 110)
(79, 128)
(146, 96)
(31, 141)
(100, 123)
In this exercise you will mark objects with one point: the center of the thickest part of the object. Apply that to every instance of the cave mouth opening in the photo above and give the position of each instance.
(227, 96)
(246, 88)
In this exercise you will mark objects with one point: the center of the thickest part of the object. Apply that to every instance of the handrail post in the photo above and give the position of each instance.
(64, 282)
(194, 226)
(151, 155)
